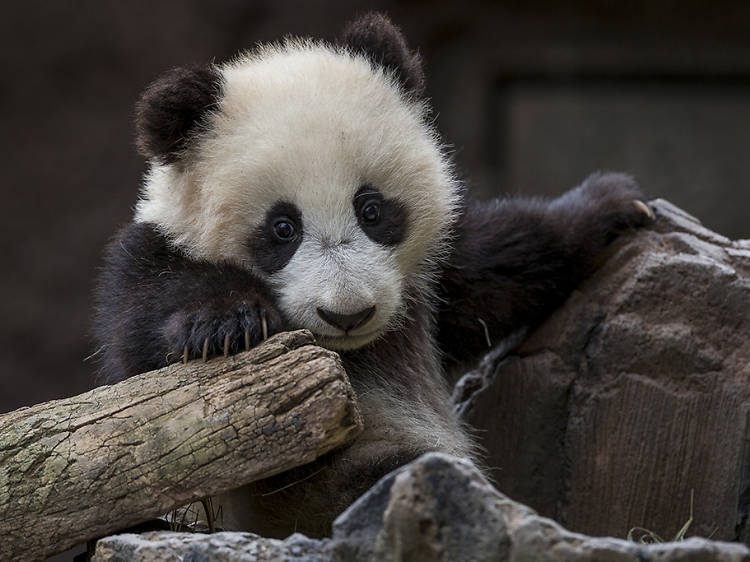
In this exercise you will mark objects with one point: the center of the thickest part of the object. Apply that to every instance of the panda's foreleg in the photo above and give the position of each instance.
(515, 260)
(156, 306)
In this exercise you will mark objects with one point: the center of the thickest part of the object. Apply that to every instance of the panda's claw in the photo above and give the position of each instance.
(645, 209)
(205, 335)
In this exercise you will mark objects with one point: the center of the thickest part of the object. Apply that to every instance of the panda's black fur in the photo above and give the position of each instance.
(504, 265)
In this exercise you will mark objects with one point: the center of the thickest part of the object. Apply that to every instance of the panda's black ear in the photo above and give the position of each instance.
(172, 108)
(376, 37)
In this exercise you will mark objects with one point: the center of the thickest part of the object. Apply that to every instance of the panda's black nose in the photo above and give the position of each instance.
(346, 322)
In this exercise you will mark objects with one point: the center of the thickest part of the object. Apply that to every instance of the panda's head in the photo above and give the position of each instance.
(312, 165)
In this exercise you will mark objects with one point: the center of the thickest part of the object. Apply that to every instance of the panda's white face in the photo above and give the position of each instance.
(343, 280)
(320, 176)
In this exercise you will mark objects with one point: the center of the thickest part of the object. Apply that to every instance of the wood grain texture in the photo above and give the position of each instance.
(83, 467)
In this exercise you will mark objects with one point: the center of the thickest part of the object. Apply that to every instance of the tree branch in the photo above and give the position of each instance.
(87, 466)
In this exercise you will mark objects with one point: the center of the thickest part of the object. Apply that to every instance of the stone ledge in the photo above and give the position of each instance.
(436, 508)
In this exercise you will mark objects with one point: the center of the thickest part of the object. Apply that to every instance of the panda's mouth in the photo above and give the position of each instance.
(348, 336)
(346, 341)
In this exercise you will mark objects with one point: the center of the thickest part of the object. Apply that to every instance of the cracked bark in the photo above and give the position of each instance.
(83, 467)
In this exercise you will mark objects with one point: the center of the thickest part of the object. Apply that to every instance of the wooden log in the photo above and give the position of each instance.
(83, 467)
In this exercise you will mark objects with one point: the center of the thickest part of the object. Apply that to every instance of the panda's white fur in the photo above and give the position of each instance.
(309, 123)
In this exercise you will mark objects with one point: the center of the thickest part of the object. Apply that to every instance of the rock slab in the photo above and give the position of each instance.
(633, 394)
(219, 547)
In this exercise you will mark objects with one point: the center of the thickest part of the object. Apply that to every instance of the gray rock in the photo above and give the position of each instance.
(632, 394)
(219, 547)
(438, 508)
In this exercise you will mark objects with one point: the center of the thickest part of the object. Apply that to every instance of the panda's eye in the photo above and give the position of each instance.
(370, 212)
(383, 220)
(275, 240)
(284, 229)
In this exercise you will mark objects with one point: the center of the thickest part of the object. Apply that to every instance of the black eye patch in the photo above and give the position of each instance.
(276, 240)
(384, 221)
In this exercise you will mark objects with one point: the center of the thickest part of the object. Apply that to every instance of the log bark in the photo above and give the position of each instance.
(83, 467)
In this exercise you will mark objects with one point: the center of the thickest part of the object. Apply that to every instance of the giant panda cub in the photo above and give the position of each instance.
(302, 185)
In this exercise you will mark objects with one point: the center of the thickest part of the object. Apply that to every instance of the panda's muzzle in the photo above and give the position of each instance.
(346, 322)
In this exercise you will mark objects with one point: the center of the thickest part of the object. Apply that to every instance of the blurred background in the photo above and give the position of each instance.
(533, 95)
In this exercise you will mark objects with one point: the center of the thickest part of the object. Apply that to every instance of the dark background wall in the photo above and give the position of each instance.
(533, 95)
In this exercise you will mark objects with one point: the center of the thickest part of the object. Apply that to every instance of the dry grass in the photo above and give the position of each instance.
(646, 536)
(196, 517)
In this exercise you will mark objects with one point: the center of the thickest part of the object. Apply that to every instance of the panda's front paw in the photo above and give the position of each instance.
(219, 328)
(602, 207)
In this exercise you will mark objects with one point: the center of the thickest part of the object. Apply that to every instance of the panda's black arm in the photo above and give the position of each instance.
(152, 301)
(515, 260)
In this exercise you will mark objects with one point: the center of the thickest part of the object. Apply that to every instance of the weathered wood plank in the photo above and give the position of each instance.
(83, 467)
